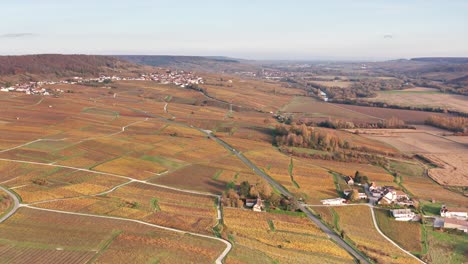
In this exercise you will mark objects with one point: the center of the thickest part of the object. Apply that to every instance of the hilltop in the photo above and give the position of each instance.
(192, 63)
(32, 67)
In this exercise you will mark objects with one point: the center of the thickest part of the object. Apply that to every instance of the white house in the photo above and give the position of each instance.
(334, 201)
(403, 214)
(453, 223)
(453, 213)
(258, 207)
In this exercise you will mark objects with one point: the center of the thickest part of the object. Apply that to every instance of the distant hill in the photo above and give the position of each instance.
(192, 63)
(449, 74)
(57, 66)
(442, 59)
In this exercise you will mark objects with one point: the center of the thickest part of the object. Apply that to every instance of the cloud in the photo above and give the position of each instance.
(388, 36)
(17, 35)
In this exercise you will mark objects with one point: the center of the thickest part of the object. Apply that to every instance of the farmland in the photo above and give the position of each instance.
(131, 156)
(287, 239)
(148, 203)
(423, 97)
(409, 116)
(312, 108)
(29, 236)
(357, 224)
(5, 202)
(447, 155)
(446, 247)
(406, 234)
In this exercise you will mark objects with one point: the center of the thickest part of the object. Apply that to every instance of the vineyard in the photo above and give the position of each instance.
(290, 234)
(29, 235)
(357, 224)
(148, 203)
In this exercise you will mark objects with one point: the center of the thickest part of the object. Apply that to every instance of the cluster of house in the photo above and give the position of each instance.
(276, 74)
(452, 219)
(179, 78)
(350, 181)
(27, 88)
(389, 195)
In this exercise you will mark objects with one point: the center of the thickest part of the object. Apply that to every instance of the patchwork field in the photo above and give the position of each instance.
(151, 204)
(29, 237)
(313, 108)
(411, 117)
(412, 176)
(449, 156)
(423, 97)
(110, 152)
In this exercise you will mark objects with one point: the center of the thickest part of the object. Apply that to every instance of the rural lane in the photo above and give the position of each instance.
(15, 204)
(219, 260)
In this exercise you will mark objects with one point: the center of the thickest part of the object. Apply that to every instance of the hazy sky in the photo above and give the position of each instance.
(260, 29)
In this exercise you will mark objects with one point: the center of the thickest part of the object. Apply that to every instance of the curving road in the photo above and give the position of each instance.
(219, 260)
(15, 205)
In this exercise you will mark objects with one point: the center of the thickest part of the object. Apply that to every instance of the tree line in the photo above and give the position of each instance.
(455, 124)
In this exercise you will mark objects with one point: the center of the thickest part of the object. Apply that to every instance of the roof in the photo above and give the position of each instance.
(333, 200)
(455, 209)
(401, 211)
(455, 221)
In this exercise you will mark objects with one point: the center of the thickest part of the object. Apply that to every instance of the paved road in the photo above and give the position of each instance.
(15, 204)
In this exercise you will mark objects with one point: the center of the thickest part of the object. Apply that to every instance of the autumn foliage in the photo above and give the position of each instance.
(456, 124)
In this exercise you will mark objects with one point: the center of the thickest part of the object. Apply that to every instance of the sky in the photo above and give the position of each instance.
(251, 29)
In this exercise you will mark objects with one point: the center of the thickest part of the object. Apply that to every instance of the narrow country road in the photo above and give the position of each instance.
(15, 205)
(219, 260)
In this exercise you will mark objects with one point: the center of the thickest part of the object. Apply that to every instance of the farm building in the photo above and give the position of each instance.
(349, 180)
(250, 202)
(403, 214)
(362, 196)
(391, 196)
(334, 201)
(453, 213)
(453, 223)
(347, 191)
(258, 207)
(255, 204)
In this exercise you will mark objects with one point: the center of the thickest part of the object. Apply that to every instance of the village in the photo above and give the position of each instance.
(400, 205)
(179, 78)
(259, 197)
